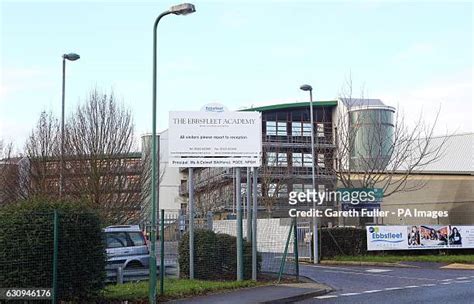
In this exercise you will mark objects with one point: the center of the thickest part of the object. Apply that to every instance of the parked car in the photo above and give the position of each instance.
(126, 247)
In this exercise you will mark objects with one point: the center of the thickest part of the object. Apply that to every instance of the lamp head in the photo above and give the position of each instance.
(71, 56)
(182, 9)
(306, 87)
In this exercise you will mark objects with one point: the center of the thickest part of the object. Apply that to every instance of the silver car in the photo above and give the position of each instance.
(126, 247)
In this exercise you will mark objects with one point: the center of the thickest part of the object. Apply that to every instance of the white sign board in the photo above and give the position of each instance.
(215, 139)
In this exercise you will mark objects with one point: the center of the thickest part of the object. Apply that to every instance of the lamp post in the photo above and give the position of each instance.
(307, 87)
(70, 57)
(181, 9)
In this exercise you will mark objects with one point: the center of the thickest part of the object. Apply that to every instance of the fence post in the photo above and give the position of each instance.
(119, 275)
(162, 251)
(295, 233)
(283, 259)
(209, 220)
(55, 255)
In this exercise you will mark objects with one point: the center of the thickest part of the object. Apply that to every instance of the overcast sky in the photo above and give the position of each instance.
(414, 56)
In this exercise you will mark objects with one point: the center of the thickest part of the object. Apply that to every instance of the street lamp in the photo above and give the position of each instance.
(181, 9)
(307, 87)
(70, 57)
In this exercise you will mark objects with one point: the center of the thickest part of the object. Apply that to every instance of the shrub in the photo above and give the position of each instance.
(26, 248)
(343, 241)
(215, 256)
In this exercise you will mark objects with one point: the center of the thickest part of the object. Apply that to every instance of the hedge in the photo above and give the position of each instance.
(26, 248)
(215, 256)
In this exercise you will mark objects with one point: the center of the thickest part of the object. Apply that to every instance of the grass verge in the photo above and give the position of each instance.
(468, 258)
(174, 289)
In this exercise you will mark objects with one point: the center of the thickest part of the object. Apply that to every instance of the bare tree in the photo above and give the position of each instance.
(100, 163)
(9, 178)
(42, 149)
(377, 148)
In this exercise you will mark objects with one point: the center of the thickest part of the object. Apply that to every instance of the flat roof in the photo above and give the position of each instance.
(282, 106)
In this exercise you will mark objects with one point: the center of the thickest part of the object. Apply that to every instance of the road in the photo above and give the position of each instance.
(354, 284)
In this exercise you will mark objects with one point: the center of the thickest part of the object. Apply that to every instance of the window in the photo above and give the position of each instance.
(321, 163)
(271, 159)
(320, 129)
(307, 160)
(299, 128)
(306, 129)
(298, 187)
(297, 159)
(308, 187)
(271, 128)
(272, 189)
(277, 159)
(296, 129)
(282, 160)
(276, 128)
(281, 128)
(283, 190)
(116, 239)
(321, 188)
(136, 239)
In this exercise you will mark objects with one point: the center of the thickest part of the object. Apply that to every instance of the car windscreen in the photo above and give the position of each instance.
(124, 239)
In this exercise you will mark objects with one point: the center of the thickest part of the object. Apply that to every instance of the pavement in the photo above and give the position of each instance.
(282, 293)
(422, 283)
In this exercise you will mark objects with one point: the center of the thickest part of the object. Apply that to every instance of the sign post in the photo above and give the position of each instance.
(215, 137)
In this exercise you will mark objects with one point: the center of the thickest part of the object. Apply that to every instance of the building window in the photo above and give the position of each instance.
(296, 129)
(282, 190)
(321, 163)
(271, 128)
(271, 190)
(282, 160)
(306, 129)
(320, 129)
(308, 187)
(299, 128)
(298, 187)
(271, 159)
(297, 159)
(277, 159)
(276, 128)
(307, 160)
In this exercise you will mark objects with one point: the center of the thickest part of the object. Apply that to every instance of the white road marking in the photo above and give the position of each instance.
(428, 285)
(393, 288)
(465, 281)
(447, 283)
(372, 291)
(411, 286)
(446, 280)
(325, 297)
(462, 278)
(350, 294)
(375, 270)
(380, 275)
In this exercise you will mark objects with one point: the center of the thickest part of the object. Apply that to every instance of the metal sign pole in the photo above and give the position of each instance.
(254, 224)
(249, 213)
(238, 203)
(191, 223)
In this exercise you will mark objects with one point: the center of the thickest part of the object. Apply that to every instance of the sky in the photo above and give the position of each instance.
(415, 56)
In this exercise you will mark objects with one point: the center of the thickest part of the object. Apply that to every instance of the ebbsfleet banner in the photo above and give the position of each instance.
(419, 237)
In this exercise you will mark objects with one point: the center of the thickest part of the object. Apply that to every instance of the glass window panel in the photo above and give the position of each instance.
(271, 128)
(296, 128)
(306, 129)
(320, 129)
(307, 160)
(297, 159)
(298, 187)
(281, 128)
(282, 160)
(271, 159)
